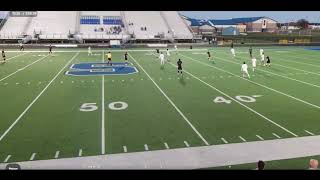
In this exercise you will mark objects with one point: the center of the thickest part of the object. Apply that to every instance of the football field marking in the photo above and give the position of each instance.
(186, 143)
(57, 154)
(22, 68)
(125, 149)
(146, 147)
(80, 153)
(243, 139)
(276, 135)
(225, 141)
(33, 156)
(245, 106)
(40, 94)
(7, 158)
(166, 145)
(310, 84)
(102, 113)
(260, 137)
(177, 109)
(309, 132)
(279, 92)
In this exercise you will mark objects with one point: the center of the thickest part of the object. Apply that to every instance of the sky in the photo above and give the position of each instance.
(280, 16)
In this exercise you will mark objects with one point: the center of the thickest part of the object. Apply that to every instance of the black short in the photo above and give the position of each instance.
(179, 68)
(109, 59)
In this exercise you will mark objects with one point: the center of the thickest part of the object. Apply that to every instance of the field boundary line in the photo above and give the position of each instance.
(235, 100)
(20, 69)
(103, 151)
(172, 103)
(39, 95)
(261, 85)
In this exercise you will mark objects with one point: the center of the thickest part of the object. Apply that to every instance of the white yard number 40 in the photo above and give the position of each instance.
(247, 99)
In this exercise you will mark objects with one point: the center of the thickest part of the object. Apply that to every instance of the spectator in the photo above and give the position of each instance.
(260, 165)
(313, 165)
(145, 28)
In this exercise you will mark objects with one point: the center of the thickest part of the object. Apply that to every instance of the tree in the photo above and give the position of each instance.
(302, 23)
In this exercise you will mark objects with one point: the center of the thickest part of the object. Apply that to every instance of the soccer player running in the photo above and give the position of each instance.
(3, 56)
(250, 51)
(109, 57)
(262, 59)
(268, 61)
(21, 47)
(244, 70)
(179, 63)
(209, 56)
(161, 57)
(261, 51)
(168, 55)
(176, 48)
(232, 50)
(126, 58)
(89, 51)
(254, 63)
(50, 49)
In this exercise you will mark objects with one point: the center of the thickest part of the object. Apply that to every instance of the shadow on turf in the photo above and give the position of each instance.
(182, 81)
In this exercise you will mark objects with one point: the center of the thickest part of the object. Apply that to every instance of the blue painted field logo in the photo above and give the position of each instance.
(95, 69)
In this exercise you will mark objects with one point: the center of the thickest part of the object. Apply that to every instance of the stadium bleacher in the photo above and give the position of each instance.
(144, 25)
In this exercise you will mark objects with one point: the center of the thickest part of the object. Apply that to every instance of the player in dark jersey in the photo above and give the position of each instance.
(3, 56)
(179, 63)
(268, 61)
(231, 45)
(126, 58)
(21, 47)
(50, 49)
(250, 51)
(209, 56)
(158, 51)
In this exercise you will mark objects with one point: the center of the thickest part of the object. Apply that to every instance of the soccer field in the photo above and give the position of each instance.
(46, 113)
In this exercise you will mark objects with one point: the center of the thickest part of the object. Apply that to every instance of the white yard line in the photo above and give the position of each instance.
(166, 145)
(146, 147)
(276, 135)
(225, 141)
(33, 156)
(171, 102)
(279, 92)
(245, 106)
(21, 69)
(7, 158)
(57, 154)
(186, 143)
(309, 132)
(30, 105)
(260, 137)
(103, 146)
(16, 56)
(243, 139)
(297, 69)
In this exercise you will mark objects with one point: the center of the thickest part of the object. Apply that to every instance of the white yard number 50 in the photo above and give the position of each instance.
(87, 107)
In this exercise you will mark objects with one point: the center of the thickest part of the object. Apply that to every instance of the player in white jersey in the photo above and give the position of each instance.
(233, 52)
(254, 63)
(89, 51)
(262, 59)
(168, 55)
(161, 57)
(261, 51)
(176, 48)
(244, 70)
